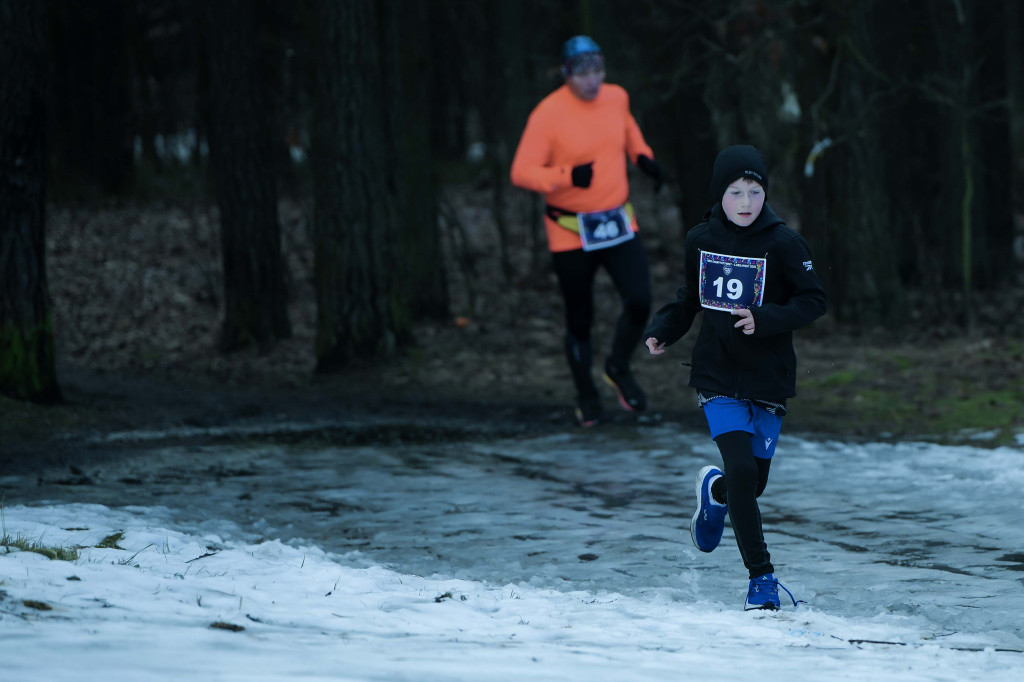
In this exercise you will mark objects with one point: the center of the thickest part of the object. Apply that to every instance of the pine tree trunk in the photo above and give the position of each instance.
(27, 350)
(989, 123)
(411, 110)
(92, 123)
(845, 200)
(360, 313)
(255, 297)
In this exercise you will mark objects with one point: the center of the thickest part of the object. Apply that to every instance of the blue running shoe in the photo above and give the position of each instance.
(709, 520)
(763, 593)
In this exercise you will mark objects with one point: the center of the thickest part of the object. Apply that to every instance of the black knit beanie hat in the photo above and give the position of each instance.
(738, 161)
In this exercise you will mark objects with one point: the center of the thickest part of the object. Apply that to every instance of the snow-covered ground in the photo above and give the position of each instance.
(561, 557)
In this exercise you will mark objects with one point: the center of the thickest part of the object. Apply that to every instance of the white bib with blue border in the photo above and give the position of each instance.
(731, 282)
(601, 229)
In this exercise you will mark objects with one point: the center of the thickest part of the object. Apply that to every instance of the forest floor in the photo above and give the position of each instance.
(137, 299)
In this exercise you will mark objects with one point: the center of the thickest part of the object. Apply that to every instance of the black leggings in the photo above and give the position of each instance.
(745, 479)
(631, 275)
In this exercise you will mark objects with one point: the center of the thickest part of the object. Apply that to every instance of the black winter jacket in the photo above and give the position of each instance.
(761, 366)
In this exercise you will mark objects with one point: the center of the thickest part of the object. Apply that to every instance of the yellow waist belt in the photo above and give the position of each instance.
(570, 219)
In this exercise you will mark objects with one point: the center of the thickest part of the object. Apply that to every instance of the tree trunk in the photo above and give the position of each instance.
(360, 313)
(992, 145)
(448, 83)
(27, 350)
(255, 297)
(410, 106)
(92, 118)
(497, 26)
(845, 200)
(946, 136)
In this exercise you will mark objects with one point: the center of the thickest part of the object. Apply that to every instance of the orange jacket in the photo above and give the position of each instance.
(565, 131)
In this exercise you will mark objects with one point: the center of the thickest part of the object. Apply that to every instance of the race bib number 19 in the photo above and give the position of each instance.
(730, 282)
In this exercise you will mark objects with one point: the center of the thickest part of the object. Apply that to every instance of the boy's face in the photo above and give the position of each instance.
(743, 201)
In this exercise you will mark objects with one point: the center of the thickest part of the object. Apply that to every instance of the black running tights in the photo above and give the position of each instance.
(627, 266)
(745, 479)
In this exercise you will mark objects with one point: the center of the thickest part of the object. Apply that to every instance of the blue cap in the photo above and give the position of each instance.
(579, 45)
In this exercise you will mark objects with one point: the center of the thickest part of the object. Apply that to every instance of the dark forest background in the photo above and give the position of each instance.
(894, 132)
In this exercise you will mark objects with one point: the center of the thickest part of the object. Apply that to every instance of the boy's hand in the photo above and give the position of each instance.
(747, 321)
(656, 347)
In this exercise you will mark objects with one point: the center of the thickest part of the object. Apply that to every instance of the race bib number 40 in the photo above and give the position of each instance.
(602, 229)
(730, 282)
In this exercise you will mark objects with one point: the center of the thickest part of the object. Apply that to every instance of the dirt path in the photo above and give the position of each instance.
(459, 381)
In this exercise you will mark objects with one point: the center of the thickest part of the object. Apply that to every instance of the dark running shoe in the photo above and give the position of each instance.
(631, 396)
(708, 522)
(588, 410)
(763, 594)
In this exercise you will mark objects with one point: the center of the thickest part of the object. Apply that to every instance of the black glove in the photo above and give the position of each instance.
(583, 174)
(651, 167)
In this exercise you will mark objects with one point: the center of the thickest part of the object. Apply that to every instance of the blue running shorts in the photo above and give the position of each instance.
(728, 414)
